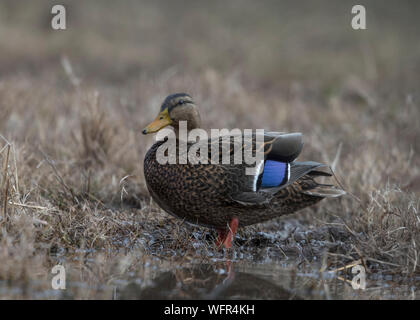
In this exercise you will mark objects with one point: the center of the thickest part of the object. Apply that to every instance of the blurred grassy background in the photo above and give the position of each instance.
(271, 41)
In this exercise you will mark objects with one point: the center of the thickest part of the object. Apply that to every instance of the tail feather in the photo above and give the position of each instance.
(322, 189)
(319, 173)
(325, 191)
(299, 169)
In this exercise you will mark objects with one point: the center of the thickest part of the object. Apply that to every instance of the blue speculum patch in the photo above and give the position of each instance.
(274, 174)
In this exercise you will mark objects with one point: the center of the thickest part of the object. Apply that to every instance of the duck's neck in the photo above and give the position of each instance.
(189, 119)
(183, 128)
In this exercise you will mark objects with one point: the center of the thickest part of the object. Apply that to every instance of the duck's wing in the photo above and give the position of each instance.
(284, 147)
(279, 152)
(274, 145)
(274, 177)
(224, 149)
(279, 169)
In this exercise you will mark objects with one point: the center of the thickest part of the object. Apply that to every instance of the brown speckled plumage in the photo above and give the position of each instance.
(200, 193)
(213, 194)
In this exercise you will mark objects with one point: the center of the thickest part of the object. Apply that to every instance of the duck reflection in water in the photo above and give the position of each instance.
(206, 282)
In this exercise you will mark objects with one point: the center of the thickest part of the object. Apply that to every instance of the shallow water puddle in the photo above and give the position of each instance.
(154, 278)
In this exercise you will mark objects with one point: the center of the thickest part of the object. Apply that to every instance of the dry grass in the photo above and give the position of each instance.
(71, 153)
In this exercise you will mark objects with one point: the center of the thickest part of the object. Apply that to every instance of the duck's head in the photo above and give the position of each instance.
(175, 108)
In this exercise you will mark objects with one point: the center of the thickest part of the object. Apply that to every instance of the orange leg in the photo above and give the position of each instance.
(225, 237)
(221, 236)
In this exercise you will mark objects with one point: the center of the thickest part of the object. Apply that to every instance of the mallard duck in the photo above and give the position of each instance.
(223, 196)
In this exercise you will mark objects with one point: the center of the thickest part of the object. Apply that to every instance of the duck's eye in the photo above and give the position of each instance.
(181, 102)
(161, 117)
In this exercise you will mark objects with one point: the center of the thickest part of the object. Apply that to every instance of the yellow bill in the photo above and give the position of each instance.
(161, 121)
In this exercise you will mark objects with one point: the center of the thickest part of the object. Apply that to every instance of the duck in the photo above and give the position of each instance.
(225, 195)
